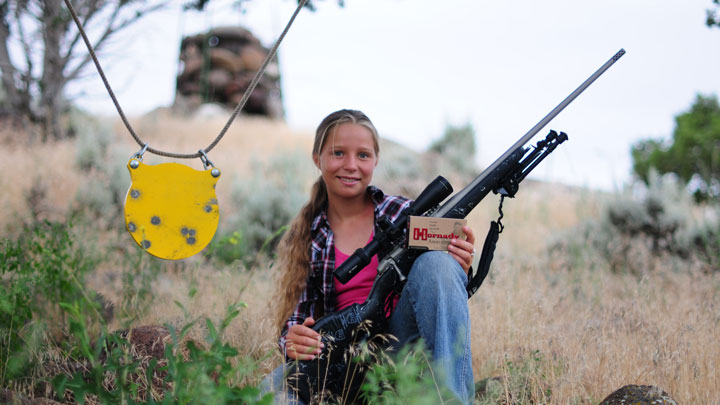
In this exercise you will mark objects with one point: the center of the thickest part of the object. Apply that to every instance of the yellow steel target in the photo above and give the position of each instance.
(171, 210)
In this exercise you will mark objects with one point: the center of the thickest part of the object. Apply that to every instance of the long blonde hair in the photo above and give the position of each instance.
(294, 248)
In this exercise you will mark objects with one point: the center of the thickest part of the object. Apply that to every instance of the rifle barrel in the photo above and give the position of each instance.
(532, 132)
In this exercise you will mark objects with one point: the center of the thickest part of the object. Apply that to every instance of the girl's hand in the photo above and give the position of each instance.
(303, 343)
(463, 250)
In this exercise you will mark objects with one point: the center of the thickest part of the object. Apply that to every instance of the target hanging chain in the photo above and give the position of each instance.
(171, 210)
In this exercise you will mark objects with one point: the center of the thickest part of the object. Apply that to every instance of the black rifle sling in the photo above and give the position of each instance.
(485, 259)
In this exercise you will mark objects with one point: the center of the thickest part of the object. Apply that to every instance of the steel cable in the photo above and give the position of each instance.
(238, 108)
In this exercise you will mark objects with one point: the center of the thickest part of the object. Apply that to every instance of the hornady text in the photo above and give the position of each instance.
(424, 234)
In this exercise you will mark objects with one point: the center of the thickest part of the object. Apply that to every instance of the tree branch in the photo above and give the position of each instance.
(110, 30)
(85, 17)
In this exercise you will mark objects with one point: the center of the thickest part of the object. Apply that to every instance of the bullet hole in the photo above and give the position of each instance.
(184, 231)
(134, 193)
(209, 204)
(131, 227)
(155, 220)
(191, 232)
(190, 240)
(145, 244)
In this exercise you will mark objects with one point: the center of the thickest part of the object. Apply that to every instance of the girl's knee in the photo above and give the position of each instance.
(438, 268)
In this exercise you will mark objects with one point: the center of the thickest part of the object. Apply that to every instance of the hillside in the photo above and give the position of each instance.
(553, 325)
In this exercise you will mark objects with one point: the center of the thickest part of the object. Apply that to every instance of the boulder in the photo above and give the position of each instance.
(10, 397)
(147, 341)
(639, 394)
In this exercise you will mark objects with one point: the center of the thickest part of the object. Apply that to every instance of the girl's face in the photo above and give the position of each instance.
(347, 160)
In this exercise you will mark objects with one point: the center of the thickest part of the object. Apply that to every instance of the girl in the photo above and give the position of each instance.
(341, 217)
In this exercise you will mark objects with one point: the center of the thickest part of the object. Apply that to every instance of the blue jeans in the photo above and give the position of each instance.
(433, 306)
(275, 383)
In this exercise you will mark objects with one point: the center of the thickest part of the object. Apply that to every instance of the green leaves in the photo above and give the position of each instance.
(208, 372)
(404, 379)
(712, 18)
(458, 146)
(38, 271)
(190, 372)
(693, 153)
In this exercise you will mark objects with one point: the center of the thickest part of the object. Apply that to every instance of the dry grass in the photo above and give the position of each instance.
(41, 170)
(595, 332)
(574, 335)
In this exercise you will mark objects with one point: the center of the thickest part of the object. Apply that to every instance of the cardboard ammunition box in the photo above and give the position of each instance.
(430, 233)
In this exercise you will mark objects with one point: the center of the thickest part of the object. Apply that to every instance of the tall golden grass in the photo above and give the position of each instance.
(573, 335)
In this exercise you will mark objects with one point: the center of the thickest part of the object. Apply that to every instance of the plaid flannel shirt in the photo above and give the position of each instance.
(318, 298)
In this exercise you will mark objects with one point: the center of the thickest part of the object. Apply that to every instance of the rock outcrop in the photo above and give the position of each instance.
(218, 66)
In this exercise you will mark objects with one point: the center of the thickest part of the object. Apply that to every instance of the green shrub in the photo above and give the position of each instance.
(457, 146)
(101, 197)
(93, 138)
(404, 378)
(39, 270)
(228, 247)
(210, 372)
(705, 243)
(692, 154)
(635, 230)
(402, 171)
(264, 204)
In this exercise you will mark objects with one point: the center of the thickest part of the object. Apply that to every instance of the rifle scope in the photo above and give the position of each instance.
(433, 195)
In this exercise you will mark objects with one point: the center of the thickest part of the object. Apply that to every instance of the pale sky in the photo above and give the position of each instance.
(415, 66)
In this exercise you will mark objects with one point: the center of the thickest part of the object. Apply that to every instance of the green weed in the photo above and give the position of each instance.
(404, 378)
(39, 270)
(190, 372)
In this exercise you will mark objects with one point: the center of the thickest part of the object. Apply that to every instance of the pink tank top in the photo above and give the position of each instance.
(356, 290)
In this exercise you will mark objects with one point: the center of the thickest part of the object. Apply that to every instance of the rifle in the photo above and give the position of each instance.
(333, 370)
